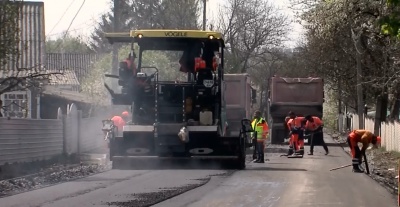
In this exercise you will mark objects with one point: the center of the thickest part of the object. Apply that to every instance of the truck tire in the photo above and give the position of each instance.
(241, 161)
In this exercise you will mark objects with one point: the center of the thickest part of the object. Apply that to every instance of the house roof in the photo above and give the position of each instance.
(80, 63)
(68, 77)
(72, 96)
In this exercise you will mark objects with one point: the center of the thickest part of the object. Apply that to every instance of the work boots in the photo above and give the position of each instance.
(356, 169)
(260, 159)
(356, 165)
(290, 151)
(326, 149)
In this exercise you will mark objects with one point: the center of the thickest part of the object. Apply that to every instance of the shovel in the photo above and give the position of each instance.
(366, 163)
(344, 166)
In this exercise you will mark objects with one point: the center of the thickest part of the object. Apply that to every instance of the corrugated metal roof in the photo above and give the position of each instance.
(80, 63)
(68, 77)
(32, 37)
(19, 73)
(70, 95)
(73, 96)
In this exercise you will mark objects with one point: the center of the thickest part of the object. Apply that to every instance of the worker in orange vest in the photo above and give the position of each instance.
(360, 136)
(296, 143)
(120, 121)
(314, 125)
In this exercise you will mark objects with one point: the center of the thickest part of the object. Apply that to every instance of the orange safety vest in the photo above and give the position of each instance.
(199, 63)
(296, 122)
(314, 125)
(118, 122)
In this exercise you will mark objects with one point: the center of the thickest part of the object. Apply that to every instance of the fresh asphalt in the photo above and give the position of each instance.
(280, 182)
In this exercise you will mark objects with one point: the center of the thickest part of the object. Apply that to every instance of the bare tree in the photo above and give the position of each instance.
(251, 29)
(349, 40)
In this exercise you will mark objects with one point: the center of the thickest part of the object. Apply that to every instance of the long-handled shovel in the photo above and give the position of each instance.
(344, 166)
(366, 163)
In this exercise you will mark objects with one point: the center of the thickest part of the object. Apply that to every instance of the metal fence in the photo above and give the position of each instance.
(82, 134)
(25, 140)
(388, 132)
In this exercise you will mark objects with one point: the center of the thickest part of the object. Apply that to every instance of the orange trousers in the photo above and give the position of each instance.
(352, 140)
(296, 142)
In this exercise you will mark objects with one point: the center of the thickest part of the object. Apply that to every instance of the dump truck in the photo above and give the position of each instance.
(303, 96)
(240, 97)
(175, 120)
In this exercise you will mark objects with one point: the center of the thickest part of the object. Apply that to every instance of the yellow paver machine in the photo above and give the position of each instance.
(180, 121)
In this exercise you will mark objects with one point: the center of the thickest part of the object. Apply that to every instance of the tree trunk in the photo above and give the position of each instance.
(360, 100)
(380, 112)
(395, 110)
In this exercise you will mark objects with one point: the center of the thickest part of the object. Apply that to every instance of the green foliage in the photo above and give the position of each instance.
(163, 61)
(146, 14)
(330, 111)
(68, 44)
(93, 84)
(390, 22)
(393, 2)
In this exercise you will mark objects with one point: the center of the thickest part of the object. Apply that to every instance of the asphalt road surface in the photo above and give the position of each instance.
(280, 182)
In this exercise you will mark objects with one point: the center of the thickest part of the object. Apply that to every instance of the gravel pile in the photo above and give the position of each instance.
(49, 177)
(384, 168)
(383, 165)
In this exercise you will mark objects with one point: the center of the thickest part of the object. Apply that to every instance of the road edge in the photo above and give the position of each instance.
(390, 189)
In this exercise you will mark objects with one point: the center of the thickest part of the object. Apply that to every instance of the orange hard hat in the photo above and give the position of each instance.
(125, 114)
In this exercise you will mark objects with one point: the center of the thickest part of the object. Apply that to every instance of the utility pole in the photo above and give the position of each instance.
(115, 46)
(204, 15)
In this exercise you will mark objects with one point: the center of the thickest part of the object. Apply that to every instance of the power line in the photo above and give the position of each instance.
(72, 21)
(85, 26)
(62, 16)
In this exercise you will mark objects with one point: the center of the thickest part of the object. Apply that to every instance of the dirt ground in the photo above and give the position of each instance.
(383, 165)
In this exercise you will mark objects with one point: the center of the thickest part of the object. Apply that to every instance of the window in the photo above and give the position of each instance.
(16, 104)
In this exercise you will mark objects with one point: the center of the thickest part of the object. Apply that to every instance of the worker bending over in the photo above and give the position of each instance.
(260, 128)
(120, 121)
(314, 126)
(296, 138)
(360, 136)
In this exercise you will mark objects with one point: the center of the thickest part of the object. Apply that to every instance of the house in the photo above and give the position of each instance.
(23, 103)
(65, 89)
(39, 102)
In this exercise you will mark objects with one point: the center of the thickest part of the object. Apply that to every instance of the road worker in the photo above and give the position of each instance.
(125, 116)
(360, 136)
(296, 138)
(314, 125)
(260, 127)
(120, 121)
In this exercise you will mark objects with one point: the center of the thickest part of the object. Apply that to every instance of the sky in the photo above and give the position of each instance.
(59, 14)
